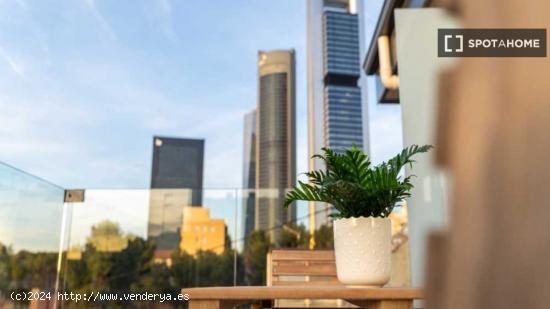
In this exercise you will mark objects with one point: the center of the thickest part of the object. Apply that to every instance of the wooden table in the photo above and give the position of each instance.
(366, 297)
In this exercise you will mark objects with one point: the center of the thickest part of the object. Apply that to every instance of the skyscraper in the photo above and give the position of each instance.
(337, 109)
(276, 139)
(176, 182)
(249, 172)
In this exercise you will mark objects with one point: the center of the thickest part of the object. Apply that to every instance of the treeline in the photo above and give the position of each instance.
(134, 269)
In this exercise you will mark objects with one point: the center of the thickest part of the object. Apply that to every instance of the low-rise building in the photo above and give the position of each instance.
(200, 233)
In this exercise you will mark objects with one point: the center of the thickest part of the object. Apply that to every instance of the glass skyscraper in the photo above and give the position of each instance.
(176, 182)
(249, 172)
(337, 109)
(276, 140)
(342, 95)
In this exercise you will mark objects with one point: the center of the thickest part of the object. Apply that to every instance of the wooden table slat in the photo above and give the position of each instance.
(303, 292)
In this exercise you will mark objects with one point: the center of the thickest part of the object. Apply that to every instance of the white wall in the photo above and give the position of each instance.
(419, 67)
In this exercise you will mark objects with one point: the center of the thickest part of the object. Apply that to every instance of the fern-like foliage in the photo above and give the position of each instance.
(353, 186)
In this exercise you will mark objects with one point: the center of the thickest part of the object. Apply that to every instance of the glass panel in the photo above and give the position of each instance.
(149, 241)
(152, 241)
(31, 221)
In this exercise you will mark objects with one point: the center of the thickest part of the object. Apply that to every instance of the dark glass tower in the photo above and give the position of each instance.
(176, 181)
(342, 95)
(337, 109)
(276, 140)
(249, 172)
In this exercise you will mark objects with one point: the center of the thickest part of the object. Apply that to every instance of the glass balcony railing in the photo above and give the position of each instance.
(157, 240)
(144, 240)
(31, 223)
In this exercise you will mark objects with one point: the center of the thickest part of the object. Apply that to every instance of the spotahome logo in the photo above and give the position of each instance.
(491, 42)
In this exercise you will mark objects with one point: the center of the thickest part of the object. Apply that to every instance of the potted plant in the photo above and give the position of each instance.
(363, 197)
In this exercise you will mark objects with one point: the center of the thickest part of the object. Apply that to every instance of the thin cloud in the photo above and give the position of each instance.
(166, 20)
(101, 20)
(22, 4)
(17, 67)
(159, 14)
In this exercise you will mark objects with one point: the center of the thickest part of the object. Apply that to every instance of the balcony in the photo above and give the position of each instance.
(149, 240)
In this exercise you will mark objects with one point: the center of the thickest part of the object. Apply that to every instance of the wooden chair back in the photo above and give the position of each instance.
(288, 267)
(301, 267)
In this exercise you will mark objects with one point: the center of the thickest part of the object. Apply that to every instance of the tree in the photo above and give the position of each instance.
(111, 261)
(183, 270)
(106, 236)
(324, 237)
(5, 271)
(213, 269)
(294, 236)
(131, 265)
(33, 270)
(99, 267)
(255, 254)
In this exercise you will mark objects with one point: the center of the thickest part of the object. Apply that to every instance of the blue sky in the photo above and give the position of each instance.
(84, 84)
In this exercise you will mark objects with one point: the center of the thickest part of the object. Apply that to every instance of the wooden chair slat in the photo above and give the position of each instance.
(301, 267)
(318, 270)
(303, 255)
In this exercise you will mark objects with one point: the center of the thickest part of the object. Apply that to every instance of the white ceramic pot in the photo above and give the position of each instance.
(363, 250)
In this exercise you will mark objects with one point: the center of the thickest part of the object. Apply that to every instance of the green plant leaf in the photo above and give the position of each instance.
(353, 186)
